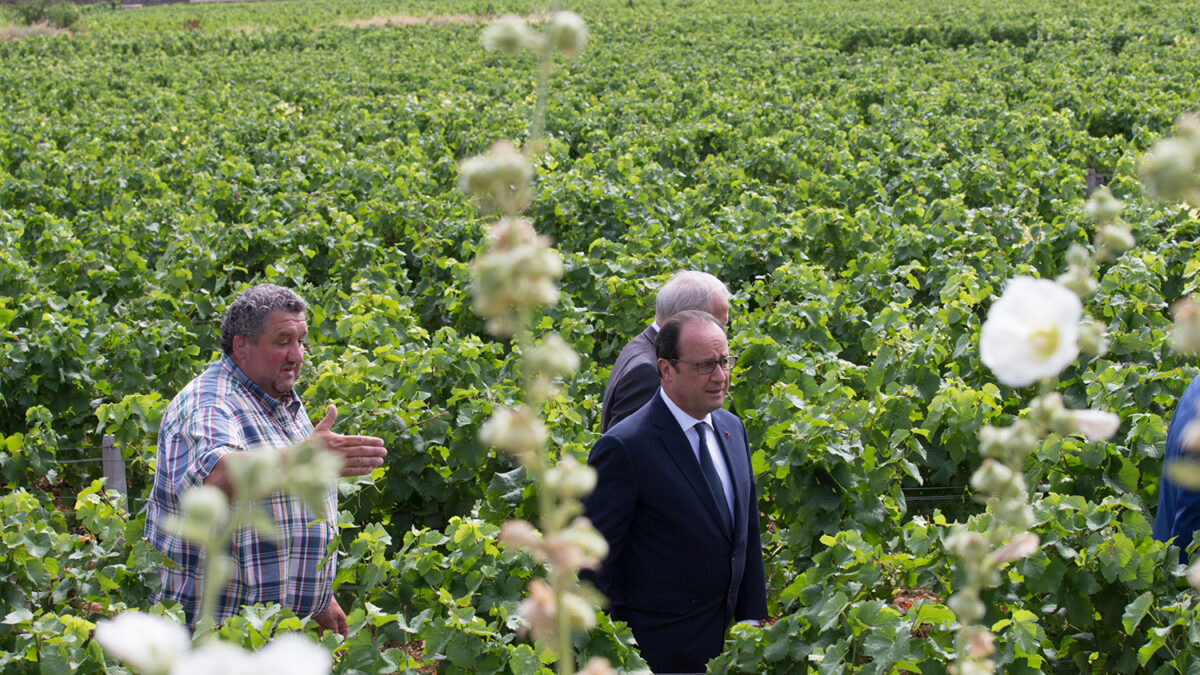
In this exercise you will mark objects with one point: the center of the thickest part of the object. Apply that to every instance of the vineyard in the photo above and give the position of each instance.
(865, 176)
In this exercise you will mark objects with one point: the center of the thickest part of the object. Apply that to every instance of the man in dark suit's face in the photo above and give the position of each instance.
(702, 347)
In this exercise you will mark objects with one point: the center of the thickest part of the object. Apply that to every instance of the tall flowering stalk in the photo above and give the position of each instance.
(1033, 331)
(511, 280)
(1171, 173)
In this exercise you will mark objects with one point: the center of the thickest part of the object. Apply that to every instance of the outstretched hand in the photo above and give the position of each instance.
(360, 454)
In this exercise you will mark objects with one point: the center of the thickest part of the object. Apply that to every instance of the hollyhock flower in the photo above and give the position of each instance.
(1096, 425)
(597, 665)
(1022, 545)
(519, 534)
(216, 658)
(570, 478)
(537, 610)
(1193, 575)
(1031, 332)
(509, 35)
(294, 654)
(568, 33)
(149, 644)
(514, 431)
(202, 510)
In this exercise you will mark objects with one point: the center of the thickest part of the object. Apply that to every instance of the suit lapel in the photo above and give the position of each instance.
(679, 449)
(730, 440)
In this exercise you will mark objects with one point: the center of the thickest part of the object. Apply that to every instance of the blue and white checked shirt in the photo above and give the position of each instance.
(219, 412)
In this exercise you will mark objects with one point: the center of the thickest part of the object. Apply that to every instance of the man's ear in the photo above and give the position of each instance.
(239, 347)
(664, 369)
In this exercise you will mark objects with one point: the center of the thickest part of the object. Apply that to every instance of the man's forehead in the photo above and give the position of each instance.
(280, 322)
(703, 338)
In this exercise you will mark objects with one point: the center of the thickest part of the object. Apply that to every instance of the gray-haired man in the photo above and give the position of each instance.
(246, 401)
(634, 377)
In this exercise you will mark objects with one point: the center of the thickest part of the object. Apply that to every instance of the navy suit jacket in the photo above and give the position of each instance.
(633, 380)
(1178, 515)
(674, 572)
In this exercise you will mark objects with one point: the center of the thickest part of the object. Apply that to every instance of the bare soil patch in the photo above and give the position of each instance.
(400, 20)
(21, 32)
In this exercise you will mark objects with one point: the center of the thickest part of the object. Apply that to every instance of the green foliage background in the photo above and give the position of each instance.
(865, 177)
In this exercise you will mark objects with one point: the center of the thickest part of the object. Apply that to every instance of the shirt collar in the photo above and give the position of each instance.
(685, 420)
(290, 401)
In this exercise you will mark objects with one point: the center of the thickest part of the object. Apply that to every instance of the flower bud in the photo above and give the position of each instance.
(1079, 281)
(1078, 256)
(310, 472)
(597, 665)
(1103, 207)
(256, 473)
(967, 605)
(509, 35)
(1096, 425)
(581, 615)
(520, 534)
(965, 544)
(553, 357)
(1193, 575)
(979, 642)
(1114, 239)
(1015, 512)
(1190, 439)
(1185, 335)
(514, 431)
(202, 512)
(1169, 168)
(1022, 545)
(992, 477)
(570, 478)
(1009, 444)
(1092, 338)
(972, 667)
(1187, 127)
(538, 610)
(589, 546)
(502, 176)
(568, 33)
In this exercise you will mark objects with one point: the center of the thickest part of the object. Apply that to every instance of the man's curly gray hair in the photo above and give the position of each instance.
(247, 314)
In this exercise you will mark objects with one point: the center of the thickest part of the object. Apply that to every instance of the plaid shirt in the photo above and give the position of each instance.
(220, 412)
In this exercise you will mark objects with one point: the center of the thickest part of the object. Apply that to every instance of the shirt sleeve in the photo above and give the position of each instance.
(207, 435)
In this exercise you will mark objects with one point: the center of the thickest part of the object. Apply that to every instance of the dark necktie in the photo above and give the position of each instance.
(710, 476)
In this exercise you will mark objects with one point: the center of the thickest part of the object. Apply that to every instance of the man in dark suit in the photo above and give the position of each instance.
(675, 498)
(634, 377)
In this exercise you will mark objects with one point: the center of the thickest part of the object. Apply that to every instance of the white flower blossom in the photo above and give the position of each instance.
(216, 658)
(509, 35)
(568, 33)
(1031, 332)
(514, 431)
(294, 654)
(1096, 425)
(570, 478)
(1193, 575)
(520, 534)
(147, 643)
(1022, 545)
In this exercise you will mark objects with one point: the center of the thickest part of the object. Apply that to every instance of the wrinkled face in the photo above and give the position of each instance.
(697, 394)
(273, 361)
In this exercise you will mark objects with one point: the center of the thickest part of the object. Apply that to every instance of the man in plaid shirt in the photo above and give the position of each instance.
(246, 402)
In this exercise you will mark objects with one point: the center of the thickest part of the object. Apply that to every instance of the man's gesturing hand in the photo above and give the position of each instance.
(360, 454)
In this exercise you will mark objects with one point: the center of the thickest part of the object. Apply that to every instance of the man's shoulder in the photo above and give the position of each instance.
(213, 388)
(639, 349)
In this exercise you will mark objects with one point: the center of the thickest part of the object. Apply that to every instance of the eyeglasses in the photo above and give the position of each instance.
(706, 367)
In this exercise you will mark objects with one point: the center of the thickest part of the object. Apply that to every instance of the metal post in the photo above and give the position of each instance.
(113, 466)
